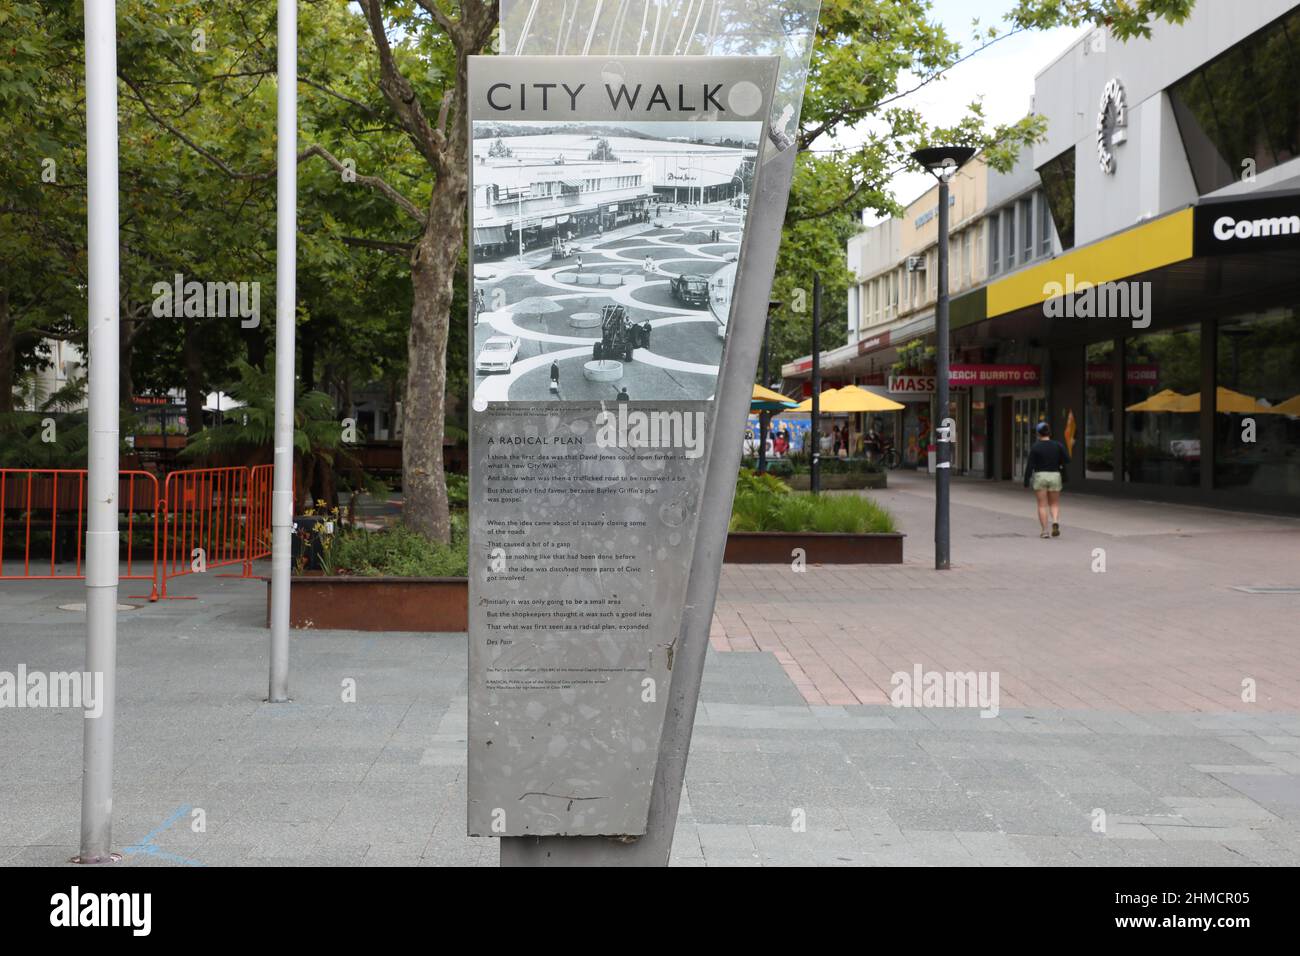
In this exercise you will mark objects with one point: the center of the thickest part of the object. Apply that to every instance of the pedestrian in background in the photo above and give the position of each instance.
(1045, 473)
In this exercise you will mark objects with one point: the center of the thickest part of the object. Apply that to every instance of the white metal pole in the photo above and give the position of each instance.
(101, 479)
(286, 260)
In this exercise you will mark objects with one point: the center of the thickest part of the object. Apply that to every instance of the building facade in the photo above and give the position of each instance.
(1155, 325)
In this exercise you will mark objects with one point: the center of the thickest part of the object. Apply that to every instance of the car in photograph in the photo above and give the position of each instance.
(498, 354)
(691, 290)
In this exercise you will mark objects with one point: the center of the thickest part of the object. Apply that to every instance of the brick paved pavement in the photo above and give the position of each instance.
(1124, 703)
(1162, 629)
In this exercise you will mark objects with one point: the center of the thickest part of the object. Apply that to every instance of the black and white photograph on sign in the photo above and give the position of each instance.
(604, 257)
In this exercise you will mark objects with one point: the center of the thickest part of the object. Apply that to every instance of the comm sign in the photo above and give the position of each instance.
(593, 383)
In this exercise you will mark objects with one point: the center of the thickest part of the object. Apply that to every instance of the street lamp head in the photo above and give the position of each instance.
(942, 162)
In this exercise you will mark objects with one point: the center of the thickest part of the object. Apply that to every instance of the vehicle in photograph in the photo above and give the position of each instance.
(619, 335)
(692, 290)
(498, 354)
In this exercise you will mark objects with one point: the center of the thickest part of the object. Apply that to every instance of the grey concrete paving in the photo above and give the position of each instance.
(772, 779)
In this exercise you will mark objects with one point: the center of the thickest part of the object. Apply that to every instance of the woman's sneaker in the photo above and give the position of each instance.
(1056, 529)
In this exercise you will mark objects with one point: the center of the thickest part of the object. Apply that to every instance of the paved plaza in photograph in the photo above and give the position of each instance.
(536, 301)
(1121, 705)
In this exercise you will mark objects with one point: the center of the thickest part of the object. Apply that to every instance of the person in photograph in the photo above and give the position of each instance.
(1045, 473)
(579, 263)
(648, 266)
(780, 445)
(555, 377)
(623, 396)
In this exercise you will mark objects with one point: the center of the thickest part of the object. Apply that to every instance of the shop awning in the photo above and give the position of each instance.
(488, 234)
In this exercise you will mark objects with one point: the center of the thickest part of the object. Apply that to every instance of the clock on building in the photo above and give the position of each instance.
(1112, 125)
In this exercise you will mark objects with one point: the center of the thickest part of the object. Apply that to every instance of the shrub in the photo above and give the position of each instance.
(781, 467)
(849, 466)
(794, 512)
(457, 490)
(751, 482)
(399, 552)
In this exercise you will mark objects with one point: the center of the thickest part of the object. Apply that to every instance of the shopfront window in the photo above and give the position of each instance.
(1044, 225)
(1009, 236)
(1058, 186)
(1242, 105)
(1257, 407)
(995, 244)
(1162, 402)
(1098, 412)
(1026, 209)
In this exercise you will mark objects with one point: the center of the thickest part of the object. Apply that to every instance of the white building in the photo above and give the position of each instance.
(538, 199)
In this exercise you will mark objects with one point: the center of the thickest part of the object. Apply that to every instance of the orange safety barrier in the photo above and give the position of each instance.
(224, 512)
(259, 512)
(53, 500)
(204, 522)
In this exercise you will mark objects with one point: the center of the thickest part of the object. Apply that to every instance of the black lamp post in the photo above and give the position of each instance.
(942, 162)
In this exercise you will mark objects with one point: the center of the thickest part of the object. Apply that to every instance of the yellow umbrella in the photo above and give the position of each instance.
(1165, 401)
(1290, 407)
(850, 398)
(762, 394)
(1226, 402)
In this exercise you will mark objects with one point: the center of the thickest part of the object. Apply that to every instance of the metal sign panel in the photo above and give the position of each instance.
(597, 344)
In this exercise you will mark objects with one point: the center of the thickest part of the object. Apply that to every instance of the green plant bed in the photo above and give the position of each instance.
(397, 552)
(764, 503)
(825, 514)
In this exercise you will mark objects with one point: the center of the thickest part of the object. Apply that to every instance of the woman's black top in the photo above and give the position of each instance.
(1046, 454)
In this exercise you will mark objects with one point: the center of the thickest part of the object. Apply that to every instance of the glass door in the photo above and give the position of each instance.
(1027, 410)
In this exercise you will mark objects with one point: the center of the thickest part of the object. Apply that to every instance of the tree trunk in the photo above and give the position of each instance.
(8, 355)
(433, 270)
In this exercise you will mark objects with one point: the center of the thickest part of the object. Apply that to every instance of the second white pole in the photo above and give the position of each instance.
(286, 262)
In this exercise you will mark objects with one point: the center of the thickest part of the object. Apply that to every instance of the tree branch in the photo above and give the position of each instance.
(852, 115)
(399, 92)
(399, 248)
(450, 27)
(205, 153)
(364, 107)
(374, 182)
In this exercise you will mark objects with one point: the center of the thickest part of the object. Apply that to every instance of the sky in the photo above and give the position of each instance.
(1003, 75)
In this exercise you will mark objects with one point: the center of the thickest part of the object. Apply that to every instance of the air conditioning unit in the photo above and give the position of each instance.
(916, 263)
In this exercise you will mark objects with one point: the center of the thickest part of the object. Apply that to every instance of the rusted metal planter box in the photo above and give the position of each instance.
(778, 547)
(357, 603)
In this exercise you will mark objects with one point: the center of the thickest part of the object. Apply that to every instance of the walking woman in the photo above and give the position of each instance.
(1045, 472)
